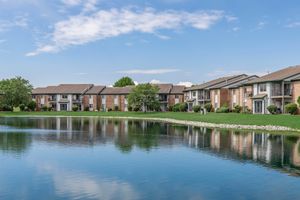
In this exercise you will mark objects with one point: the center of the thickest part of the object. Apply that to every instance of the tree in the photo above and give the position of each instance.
(298, 100)
(144, 97)
(124, 81)
(15, 91)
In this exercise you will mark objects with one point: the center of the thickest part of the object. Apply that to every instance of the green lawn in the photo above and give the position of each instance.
(219, 118)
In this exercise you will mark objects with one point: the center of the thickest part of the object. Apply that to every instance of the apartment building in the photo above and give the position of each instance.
(241, 93)
(278, 88)
(210, 92)
(62, 97)
(176, 95)
(92, 98)
(115, 98)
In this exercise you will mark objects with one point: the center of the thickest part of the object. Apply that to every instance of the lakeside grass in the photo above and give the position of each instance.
(290, 121)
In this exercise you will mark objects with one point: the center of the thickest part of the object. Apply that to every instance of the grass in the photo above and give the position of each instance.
(218, 118)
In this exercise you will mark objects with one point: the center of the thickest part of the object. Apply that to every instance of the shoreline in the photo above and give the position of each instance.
(272, 128)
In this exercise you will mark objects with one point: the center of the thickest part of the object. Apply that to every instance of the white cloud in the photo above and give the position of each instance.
(235, 29)
(149, 72)
(85, 28)
(219, 72)
(19, 21)
(293, 25)
(154, 81)
(261, 25)
(185, 83)
(72, 2)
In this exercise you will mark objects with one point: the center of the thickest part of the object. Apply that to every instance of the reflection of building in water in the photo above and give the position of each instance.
(279, 151)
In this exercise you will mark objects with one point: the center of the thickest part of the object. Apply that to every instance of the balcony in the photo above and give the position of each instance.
(277, 91)
(163, 98)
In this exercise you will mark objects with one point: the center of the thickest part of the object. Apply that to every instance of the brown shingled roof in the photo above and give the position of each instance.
(117, 90)
(211, 83)
(63, 89)
(95, 90)
(279, 75)
(177, 89)
(164, 88)
(230, 82)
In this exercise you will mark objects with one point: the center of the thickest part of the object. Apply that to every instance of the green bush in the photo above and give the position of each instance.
(86, 108)
(298, 100)
(109, 109)
(44, 108)
(183, 107)
(170, 108)
(246, 110)
(196, 108)
(208, 107)
(176, 108)
(237, 109)
(31, 105)
(50, 109)
(291, 108)
(6, 108)
(22, 107)
(223, 109)
(129, 108)
(75, 108)
(272, 109)
(116, 108)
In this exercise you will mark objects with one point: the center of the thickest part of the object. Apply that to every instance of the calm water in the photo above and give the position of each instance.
(90, 158)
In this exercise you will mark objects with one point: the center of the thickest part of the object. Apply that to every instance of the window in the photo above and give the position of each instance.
(64, 96)
(194, 94)
(176, 96)
(103, 99)
(262, 87)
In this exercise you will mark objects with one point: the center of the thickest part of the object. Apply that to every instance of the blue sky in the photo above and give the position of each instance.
(99, 41)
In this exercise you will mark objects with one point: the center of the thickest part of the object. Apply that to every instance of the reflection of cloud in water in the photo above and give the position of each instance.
(79, 185)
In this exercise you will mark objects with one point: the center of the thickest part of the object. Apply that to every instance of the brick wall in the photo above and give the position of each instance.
(296, 92)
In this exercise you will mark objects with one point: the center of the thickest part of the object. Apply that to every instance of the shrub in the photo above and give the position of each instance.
(44, 108)
(291, 108)
(109, 109)
(237, 109)
(176, 108)
(298, 100)
(75, 108)
(223, 109)
(136, 109)
(170, 108)
(86, 108)
(129, 108)
(22, 107)
(183, 107)
(208, 107)
(246, 110)
(50, 109)
(272, 109)
(31, 105)
(196, 108)
(116, 108)
(6, 108)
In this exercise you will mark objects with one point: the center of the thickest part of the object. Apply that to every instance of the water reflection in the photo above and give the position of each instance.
(280, 151)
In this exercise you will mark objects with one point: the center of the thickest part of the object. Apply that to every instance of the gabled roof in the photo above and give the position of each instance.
(95, 90)
(117, 90)
(164, 88)
(279, 75)
(177, 89)
(242, 82)
(63, 89)
(230, 82)
(211, 83)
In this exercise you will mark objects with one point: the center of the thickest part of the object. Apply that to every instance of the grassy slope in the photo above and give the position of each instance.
(231, 118)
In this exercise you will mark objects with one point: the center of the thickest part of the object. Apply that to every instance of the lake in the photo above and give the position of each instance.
(93, 158)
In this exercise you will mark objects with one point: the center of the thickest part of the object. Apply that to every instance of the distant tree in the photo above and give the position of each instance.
(124, 81)
(15, 91)
(144, 97)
